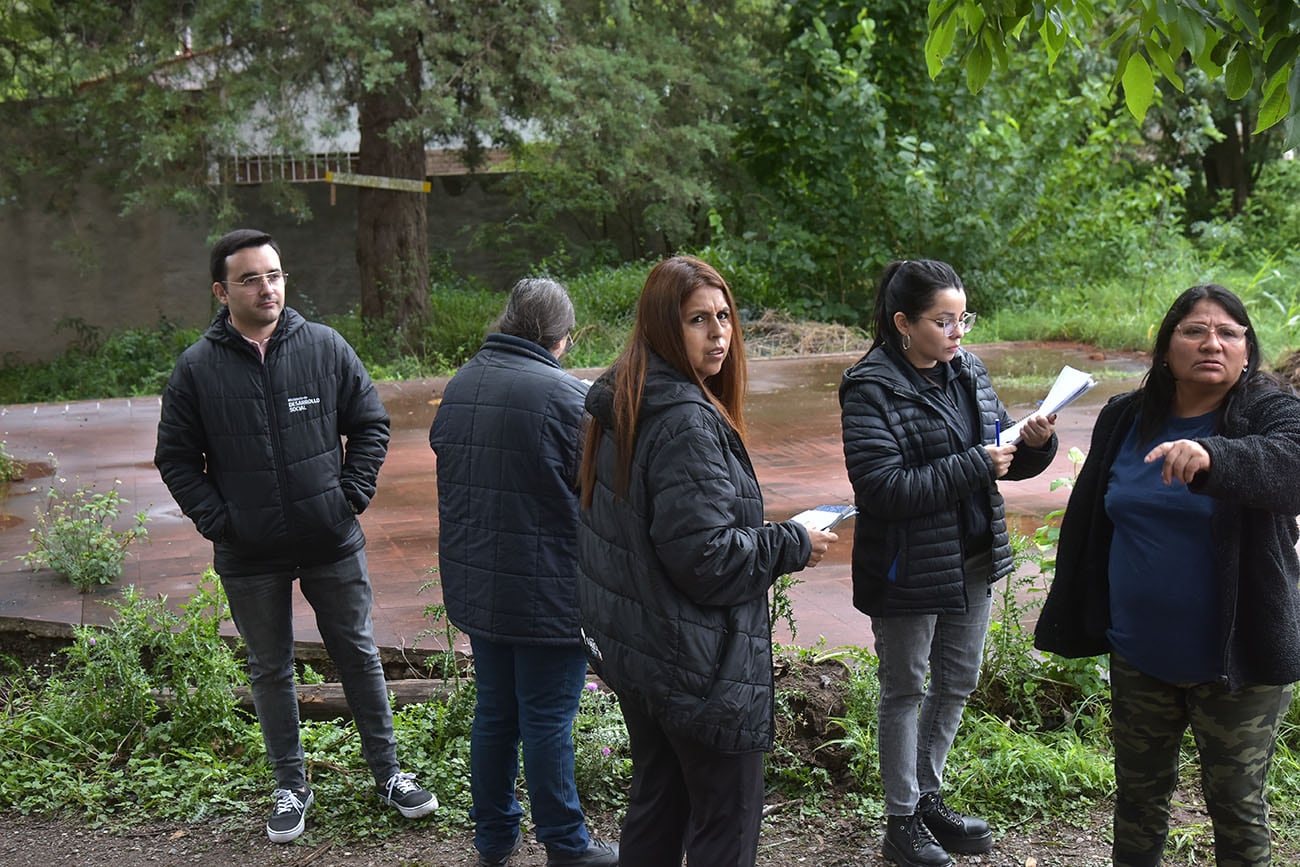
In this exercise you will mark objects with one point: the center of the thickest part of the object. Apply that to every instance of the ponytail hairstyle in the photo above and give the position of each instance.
(539, 310)
(658, 331)
(908, 286)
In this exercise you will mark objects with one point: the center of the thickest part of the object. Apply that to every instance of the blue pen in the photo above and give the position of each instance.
(997, 427)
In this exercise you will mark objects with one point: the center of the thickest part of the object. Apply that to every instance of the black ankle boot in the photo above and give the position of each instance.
(953, 831)
(909, 843)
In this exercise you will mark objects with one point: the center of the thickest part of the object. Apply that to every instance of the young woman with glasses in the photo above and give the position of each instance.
(922, 445)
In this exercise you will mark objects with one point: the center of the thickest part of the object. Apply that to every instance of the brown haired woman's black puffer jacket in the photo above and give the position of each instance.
(675, 575)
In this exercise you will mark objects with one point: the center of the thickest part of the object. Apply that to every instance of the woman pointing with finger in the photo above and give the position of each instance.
(1177, 557)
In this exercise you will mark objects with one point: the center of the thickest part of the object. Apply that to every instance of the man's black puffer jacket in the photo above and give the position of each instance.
(251, 451)
(508, 439)
(910, 480)
(675, 574)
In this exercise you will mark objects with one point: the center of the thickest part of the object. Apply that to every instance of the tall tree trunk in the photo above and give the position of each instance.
(1227, 163)
(392, 226)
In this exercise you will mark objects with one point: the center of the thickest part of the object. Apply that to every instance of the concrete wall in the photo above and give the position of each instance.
(116, 272)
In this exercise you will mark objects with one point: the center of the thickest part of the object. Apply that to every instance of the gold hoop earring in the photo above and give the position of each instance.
(906, 342)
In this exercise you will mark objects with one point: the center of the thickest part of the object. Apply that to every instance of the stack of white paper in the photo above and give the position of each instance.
(1070, 385)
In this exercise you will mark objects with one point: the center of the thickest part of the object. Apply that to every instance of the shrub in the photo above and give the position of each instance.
(11, 469)
(141, 714)
(75, 537)
(602, 765)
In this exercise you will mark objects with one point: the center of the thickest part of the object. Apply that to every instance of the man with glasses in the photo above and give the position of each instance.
(270, 440)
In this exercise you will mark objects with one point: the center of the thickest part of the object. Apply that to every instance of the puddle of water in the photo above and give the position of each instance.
(35, 470)
(799, 397)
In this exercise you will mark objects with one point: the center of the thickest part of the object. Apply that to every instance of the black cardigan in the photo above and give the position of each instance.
(1254, 465)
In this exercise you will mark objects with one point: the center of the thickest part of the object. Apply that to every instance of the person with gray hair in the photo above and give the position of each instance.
(539, 309)
(507, 436)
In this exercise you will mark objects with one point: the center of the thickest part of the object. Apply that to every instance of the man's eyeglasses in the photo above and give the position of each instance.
(1198, 332)
(271, 278)
(956, 327)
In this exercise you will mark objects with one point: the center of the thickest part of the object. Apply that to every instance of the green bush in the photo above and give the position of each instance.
(1270, 223)
(74, 536)
(11, 469)
(129, 363)
(141, 714)
(602, 765)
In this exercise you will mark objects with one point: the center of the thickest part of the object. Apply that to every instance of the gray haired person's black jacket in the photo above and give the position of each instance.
(508, 436)
(911, 480)
(675, 575)
(253, 452)
(1254, 467)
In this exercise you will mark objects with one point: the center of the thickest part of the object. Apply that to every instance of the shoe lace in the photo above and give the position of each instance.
(919, 835)
(404, 783)
(286, 801)
(949, 815)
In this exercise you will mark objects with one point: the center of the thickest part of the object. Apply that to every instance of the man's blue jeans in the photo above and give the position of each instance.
(339, 593)
(914, 746)
(528, 693)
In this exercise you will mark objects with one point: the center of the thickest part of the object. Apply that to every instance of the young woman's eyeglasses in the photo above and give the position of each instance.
(271, 278)
(1199, 331)
(955, 327)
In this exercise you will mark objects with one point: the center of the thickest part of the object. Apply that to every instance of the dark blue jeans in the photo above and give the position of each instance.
(526, 693)
(339, 593)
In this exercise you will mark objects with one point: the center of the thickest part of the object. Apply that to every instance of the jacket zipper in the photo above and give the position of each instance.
(277, 447)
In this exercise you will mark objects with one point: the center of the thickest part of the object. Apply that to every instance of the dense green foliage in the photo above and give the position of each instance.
(1251, 44)
(803, 143)
(1120, 314)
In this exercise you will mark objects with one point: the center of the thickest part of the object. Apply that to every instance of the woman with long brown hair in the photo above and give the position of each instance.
(677, 563)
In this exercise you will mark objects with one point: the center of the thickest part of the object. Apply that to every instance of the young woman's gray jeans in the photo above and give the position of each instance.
(340, 595)
(918, 722)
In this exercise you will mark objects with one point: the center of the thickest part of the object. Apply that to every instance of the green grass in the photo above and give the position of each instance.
(1120, 315)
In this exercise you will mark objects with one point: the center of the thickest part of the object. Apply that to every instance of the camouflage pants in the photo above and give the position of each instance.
(1234, 732)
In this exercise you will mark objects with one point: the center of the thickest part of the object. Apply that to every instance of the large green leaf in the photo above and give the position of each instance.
(1160, 57)
(978, 66)
(1139, 86)
(1238, 76)
(938, 44)
(1276, 101)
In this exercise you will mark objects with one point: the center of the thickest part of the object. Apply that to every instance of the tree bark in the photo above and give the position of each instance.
(1227, 163)
(392, 226)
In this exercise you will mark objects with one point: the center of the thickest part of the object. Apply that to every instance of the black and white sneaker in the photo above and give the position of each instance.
(404, 793)
(289, 815)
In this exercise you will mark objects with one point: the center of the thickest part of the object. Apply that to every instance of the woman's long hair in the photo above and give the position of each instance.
(658, 331)
(908, 286)
(1158, 386)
